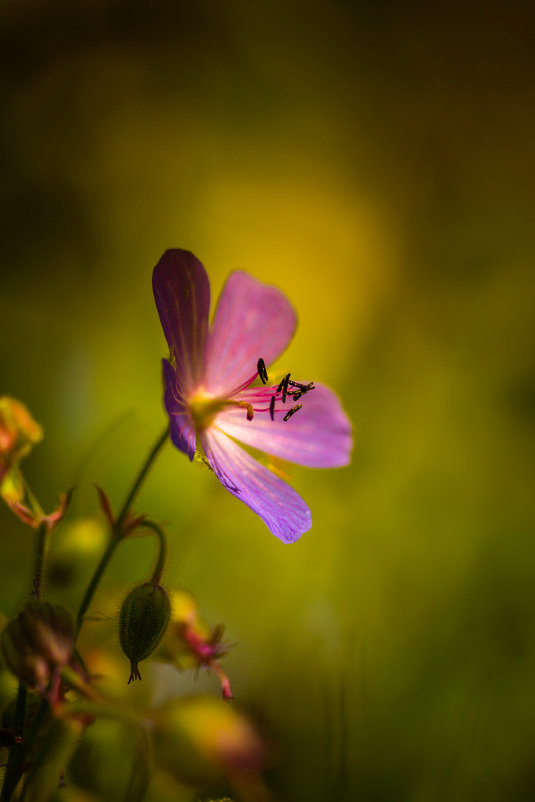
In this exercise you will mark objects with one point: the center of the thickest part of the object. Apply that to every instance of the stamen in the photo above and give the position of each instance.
(245, 405)
(297, 396)
(262, 372)
(284, 386)
(281, 385)
(292, 411)
(272, 408)
(304, 388)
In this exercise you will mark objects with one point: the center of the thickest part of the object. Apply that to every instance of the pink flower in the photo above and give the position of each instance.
(211, 399)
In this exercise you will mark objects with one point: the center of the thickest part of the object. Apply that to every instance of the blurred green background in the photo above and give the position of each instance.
(376, 162)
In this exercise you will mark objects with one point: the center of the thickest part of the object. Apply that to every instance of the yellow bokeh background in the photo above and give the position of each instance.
(376, 163)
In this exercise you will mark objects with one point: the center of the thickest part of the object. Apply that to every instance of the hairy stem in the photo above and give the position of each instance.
(142, 475)
(116, 532)
(162, 551)
(39, 559)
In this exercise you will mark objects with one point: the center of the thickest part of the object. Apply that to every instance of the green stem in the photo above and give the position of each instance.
(116, 533)
(145, 468)
(95, 579)
(20, 707)
(17, 751)
(39, 559)
(162, 552)
(18, 754)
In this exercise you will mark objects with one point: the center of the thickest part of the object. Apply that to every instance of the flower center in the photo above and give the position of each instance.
(204, 408)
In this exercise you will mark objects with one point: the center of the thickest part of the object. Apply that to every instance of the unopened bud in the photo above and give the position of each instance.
(143, 620)
(49, 630)
(18, 430)
(38, 639)
(189, 641)
(18, 433)
(29, 667)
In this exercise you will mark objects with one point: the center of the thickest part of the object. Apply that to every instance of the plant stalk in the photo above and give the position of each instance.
(116, 532)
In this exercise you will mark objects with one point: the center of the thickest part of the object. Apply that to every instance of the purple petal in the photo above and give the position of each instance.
(283, 511)
(252, 320)
(181, 427)
(182, 294)
(318, 435)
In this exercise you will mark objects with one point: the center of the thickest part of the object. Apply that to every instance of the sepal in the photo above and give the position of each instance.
(130, 521)
(35, 518)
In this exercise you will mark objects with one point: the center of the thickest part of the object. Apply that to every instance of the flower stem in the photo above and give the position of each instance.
(39, 559)
(145, 468)
(162, 553)
(19, 752)
(116, 532)
(95, 579)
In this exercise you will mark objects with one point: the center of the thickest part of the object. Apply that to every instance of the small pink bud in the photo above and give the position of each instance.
(190, 638)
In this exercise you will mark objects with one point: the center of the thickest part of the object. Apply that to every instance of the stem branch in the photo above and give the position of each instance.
(116, 532)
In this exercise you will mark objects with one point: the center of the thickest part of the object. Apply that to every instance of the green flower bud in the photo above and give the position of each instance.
(143, 620)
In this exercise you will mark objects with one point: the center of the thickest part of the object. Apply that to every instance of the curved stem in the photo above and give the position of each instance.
(116, 532)
(162, 553)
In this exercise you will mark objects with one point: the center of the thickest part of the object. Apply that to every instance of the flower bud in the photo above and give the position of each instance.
(29, 667)
(201, 739)
(143, 620)
(18, 433)
(190, 642)
(18, 430)
(38, 639)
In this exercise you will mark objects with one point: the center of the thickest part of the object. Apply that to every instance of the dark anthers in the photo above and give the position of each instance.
(292, 411)
(289, 389)
(262, 371)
